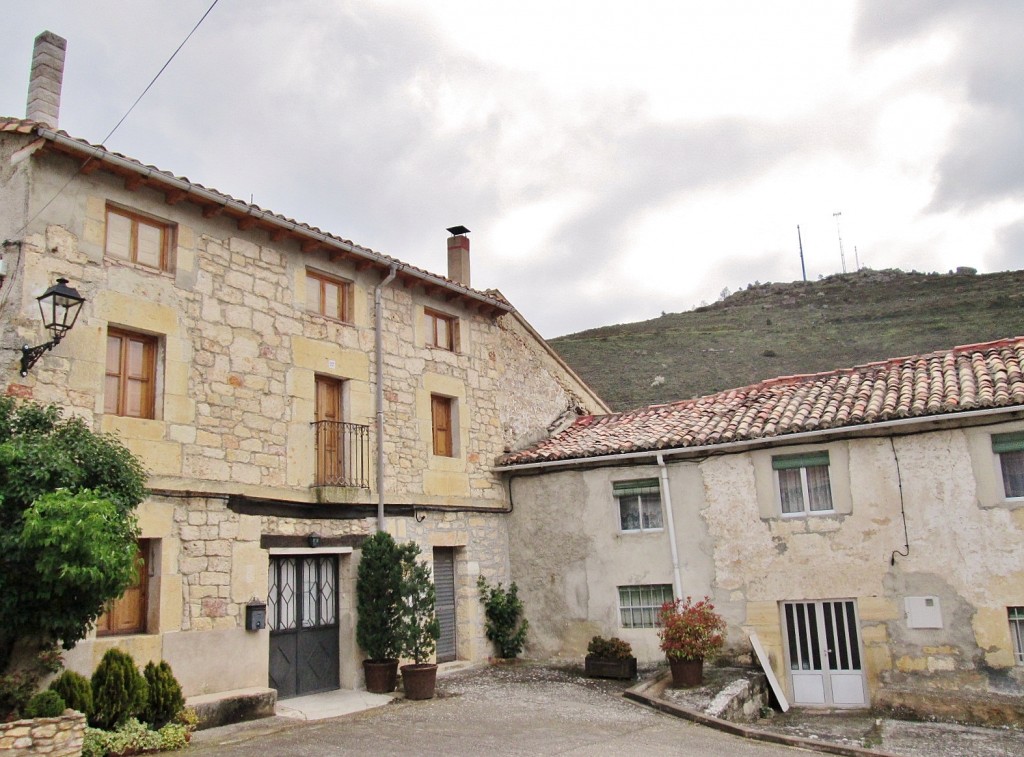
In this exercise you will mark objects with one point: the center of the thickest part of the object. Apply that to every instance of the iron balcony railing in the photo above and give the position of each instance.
(342, 454)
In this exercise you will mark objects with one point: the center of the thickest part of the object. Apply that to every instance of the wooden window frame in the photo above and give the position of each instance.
(431, 320)
(321, 280)
(442, 425)
(150, 346)
(167, 237)
(120, 618)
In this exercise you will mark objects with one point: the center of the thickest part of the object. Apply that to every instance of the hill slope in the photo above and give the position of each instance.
(770, 330)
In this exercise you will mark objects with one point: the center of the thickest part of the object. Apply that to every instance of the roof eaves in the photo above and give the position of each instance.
(240, 209)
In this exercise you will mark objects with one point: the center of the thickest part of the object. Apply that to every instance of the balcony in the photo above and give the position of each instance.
(342, 454)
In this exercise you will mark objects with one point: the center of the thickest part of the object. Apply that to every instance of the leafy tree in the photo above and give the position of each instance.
(67, 528)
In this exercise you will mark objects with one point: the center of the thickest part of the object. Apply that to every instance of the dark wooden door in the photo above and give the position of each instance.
(302, 615)
(444, 606)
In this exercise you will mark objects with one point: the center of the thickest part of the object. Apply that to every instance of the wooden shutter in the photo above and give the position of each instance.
(441, 419)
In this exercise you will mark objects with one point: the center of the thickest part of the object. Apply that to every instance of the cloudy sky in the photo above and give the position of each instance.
(613, 159)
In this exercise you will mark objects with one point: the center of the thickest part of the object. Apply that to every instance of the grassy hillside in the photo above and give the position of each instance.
(770, 330)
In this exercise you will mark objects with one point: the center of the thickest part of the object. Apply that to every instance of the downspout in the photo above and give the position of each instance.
(378, 341)
(666, 497)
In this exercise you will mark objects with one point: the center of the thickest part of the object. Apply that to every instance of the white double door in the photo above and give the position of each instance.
(824, 653)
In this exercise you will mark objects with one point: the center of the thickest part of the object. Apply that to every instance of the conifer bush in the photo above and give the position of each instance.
(76, 691)
(164, 699)
(119, 691)
(379, 598)
(45, 704)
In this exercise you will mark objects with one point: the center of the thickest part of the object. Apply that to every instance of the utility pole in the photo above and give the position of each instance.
(842, 255)
(856, 257)
(799, 239)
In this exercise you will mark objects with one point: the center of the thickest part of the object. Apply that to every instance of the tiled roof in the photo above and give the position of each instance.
(240, 207)
(972, 377)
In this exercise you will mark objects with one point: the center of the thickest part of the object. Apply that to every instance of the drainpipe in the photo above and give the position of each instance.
(378, 340)
(666, 497)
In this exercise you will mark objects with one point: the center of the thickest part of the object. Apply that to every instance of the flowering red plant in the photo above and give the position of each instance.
(691, 630)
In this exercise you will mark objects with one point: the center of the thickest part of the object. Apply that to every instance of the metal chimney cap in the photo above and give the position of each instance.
(458, 231)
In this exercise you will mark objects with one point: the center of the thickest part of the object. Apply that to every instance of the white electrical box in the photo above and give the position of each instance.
(923, 612)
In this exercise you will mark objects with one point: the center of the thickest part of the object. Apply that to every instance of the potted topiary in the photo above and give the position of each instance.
(610, 658)
(378, 601)
(691, 632)
(419, 626)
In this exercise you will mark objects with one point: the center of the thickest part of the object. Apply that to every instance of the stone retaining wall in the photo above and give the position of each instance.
(55, 737)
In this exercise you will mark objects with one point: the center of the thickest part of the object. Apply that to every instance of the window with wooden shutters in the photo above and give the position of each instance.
(442, 330)
(328, 296)
(441, 422)
(130, 388)
(127, 614)
(140, 239)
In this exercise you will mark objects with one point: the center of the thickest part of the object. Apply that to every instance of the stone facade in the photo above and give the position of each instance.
(961, 554)
(231, 449)
(53, 737)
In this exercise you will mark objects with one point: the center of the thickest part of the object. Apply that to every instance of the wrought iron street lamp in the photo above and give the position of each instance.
(59, 306)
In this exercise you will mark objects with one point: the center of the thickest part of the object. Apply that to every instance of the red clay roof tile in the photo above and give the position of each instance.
(969, 377)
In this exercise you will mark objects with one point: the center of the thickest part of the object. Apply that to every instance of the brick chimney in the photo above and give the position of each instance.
(458, 255)
(45, 79)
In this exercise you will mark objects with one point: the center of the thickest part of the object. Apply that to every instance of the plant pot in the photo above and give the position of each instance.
(687, 673)
(419, 680)
(601, 667)
(381, 675)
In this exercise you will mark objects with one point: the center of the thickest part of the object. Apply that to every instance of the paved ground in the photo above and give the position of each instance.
(515, 710)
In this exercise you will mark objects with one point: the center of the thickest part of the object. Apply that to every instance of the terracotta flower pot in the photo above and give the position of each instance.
(381, 676)
(686, 673)
(419, 680)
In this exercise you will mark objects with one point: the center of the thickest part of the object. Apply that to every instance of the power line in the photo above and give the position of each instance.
(121, 121)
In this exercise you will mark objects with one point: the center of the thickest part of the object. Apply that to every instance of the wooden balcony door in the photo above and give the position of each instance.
(330, 451)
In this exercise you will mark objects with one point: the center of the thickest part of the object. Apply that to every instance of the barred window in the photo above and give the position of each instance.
(639, 605)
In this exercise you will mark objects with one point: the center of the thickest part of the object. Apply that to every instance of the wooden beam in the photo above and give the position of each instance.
(308, 245)
(174, 196)
(277, 234)
(212, 211)
(364, 264)
(247, 222)
(89, 167)
(132, 182)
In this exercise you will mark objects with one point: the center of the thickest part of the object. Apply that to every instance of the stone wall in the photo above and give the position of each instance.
(53, 737)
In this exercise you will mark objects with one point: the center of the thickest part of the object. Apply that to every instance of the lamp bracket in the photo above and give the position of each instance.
(30, 355)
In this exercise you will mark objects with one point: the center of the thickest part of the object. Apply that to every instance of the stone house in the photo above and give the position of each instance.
(288, 391)
(867, 524)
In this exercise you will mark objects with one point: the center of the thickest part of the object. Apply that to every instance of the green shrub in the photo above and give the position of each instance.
(173, 736)
(76, 691)
(18, 685)
(118, 690)
(506, 626)
(419, 629)
(164, 699)
(95, 742)
(378, 598)
(45, 704)
(613, 648)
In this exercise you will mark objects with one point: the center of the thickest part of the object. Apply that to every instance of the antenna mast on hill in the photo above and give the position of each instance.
(799, 239)
(842, 255)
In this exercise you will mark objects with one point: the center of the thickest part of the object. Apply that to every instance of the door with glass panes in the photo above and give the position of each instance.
(823, 647)
(302, 616)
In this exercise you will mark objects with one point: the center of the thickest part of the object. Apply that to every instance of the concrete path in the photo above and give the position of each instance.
(515, 710)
